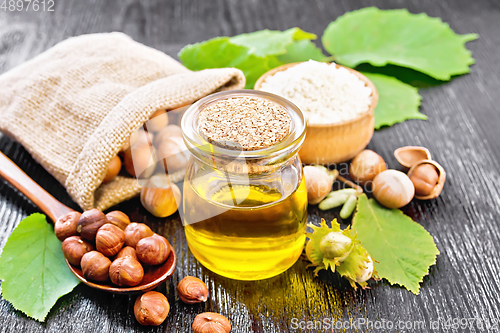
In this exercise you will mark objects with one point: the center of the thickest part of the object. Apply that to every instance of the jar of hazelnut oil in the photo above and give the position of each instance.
(245, 199)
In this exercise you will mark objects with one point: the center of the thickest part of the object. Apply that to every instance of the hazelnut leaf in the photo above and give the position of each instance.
(397, 101)
(402, 250)
(33, 268)
(253, 53)
(380, 37)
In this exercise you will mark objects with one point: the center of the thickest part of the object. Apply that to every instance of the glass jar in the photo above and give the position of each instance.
(245, 212)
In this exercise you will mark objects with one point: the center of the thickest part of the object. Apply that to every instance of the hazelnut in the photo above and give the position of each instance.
(109, 239)
(90, 222)
(126, 272)
(393, 189)
(318, 183)
(138, 136)
(424, 178)
(157, 121)
(366, 165)
(95, 266)
(114, 167)
(140, 160)
(151, 308)
(429, 178)
(127, 251)
(74, 247)
(192, 290)
(153, 250)
(118, 218)
(210, 322)
(134, 232)
(168, 132)
(173, 154)
(65, 226)
(160, 197)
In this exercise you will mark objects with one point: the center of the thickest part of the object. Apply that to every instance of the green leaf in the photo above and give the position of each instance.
(220, 52)
(402, 249)
(397, 101)
(33, 268)
(381, 37)
(302, 50)
(271, 42)
(253, 53)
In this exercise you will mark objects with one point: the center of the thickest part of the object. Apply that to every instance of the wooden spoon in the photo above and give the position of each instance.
(50, 206)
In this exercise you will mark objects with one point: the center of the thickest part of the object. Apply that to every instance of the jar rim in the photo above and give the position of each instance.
(197, 144)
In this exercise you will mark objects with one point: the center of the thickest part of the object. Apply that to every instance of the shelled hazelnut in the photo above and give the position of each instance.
(210, 322)
(153, 250)
(192, 290)
(126, 272)
(74, 247)
(127, 251)
(65, 226)
(89, 222)
(151, 308)
(134, 232)
(109, 239)
(95, 266)
(120, 219)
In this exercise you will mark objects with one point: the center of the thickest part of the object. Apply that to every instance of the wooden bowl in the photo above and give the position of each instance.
(339, 142)
(153, 276)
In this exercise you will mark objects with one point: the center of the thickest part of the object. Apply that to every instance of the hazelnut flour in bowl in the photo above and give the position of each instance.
(337, 103)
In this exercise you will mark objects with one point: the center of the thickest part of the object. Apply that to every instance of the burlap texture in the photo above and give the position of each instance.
(73, 107)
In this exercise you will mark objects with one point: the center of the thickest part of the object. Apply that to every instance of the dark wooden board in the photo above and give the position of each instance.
(462, 134)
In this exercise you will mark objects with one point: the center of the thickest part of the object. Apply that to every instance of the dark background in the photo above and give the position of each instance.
(462, 134)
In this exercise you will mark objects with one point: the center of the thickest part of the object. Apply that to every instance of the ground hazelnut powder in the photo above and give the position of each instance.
(247, 123)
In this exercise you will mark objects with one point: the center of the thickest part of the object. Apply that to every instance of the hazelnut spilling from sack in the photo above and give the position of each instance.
(76, 105)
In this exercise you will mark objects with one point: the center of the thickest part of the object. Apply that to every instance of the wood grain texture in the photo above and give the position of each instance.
(461, 134)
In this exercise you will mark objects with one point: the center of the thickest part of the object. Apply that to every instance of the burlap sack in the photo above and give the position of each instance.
(73, 107)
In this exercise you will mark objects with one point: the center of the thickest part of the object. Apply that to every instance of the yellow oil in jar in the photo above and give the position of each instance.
(253, 232)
